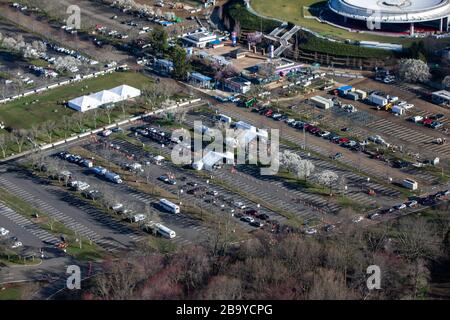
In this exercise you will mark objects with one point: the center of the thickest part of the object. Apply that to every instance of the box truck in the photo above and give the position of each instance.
(378, 100)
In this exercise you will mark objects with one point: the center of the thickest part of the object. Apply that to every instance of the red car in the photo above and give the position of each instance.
(427, 122)
(343, 140)
(268, 113)
(251, 212)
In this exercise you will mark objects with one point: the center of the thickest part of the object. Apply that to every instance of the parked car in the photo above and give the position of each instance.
(263, 216)
(251, 212)
(248, 219)
(163, 178)
(436, 125)
(412, 203)
(329, 227)
(438, 116)
(257, 224)
(212, 193)
(337, 156)
(239, 205)
(310, 231)
(374, 216)
(401, 206)
(3, 231)
(17, 244)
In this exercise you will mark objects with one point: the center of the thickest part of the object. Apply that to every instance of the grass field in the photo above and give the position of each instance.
(26, 112)
(12, 293)
(292, 11)
(31, 112)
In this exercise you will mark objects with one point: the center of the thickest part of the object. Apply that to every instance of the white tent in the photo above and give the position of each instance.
(106, 96)
(83, 103)
(95, 100)
(126, 92)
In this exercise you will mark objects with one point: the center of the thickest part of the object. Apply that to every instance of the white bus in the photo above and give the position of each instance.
(165, 232)
(169, 206)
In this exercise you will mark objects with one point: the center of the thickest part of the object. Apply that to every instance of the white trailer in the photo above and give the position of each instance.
(377, 100)
(322, 102)
(169, 206)
(410, 184)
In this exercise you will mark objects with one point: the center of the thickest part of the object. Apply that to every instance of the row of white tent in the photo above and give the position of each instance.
(95, 100)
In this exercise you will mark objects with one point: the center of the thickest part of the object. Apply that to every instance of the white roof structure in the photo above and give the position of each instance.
(392, 11)
(95, 100)
(83, 103)
(105, 97)
(126, 92)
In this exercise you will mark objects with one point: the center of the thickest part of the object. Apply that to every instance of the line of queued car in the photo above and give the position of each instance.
(314, 129)
(432, 122)
(413, 202)
(74, 158)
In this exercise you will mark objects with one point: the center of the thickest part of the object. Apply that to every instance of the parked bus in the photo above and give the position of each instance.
(165, 232)
(169, 206)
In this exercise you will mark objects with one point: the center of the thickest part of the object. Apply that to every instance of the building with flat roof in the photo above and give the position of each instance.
(163, 66)
(280, 67)
(200, 80)
(237, 84)
(199, 39)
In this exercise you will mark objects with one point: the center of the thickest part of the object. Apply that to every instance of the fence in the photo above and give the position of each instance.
(95, 131)
(56, 85)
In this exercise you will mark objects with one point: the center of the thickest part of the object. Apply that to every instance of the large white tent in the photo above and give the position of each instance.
(126, 92)
(95, 100)
(106, 96)
(83, 103)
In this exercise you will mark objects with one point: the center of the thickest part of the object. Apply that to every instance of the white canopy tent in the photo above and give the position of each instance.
(83, 103)
(95, 100)
(106, 96)
(126, 92)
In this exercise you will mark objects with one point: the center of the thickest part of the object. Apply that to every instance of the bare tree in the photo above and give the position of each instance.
(49, 128)
(4, 140)
(118, 282)
(79, 119)
(19, 137)
(67, 121)
(108, 111)
(155, 96)
(417, 242)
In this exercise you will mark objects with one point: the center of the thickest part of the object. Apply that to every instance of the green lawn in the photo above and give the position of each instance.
(292, 11)
(26, 112)
(12, 293)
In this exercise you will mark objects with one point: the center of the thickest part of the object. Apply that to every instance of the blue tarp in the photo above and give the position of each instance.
(200, 77)
(345, 88)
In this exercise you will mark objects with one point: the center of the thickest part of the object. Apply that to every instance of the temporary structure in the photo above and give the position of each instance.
(95, 100)
(126, 92)
(83, 103)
